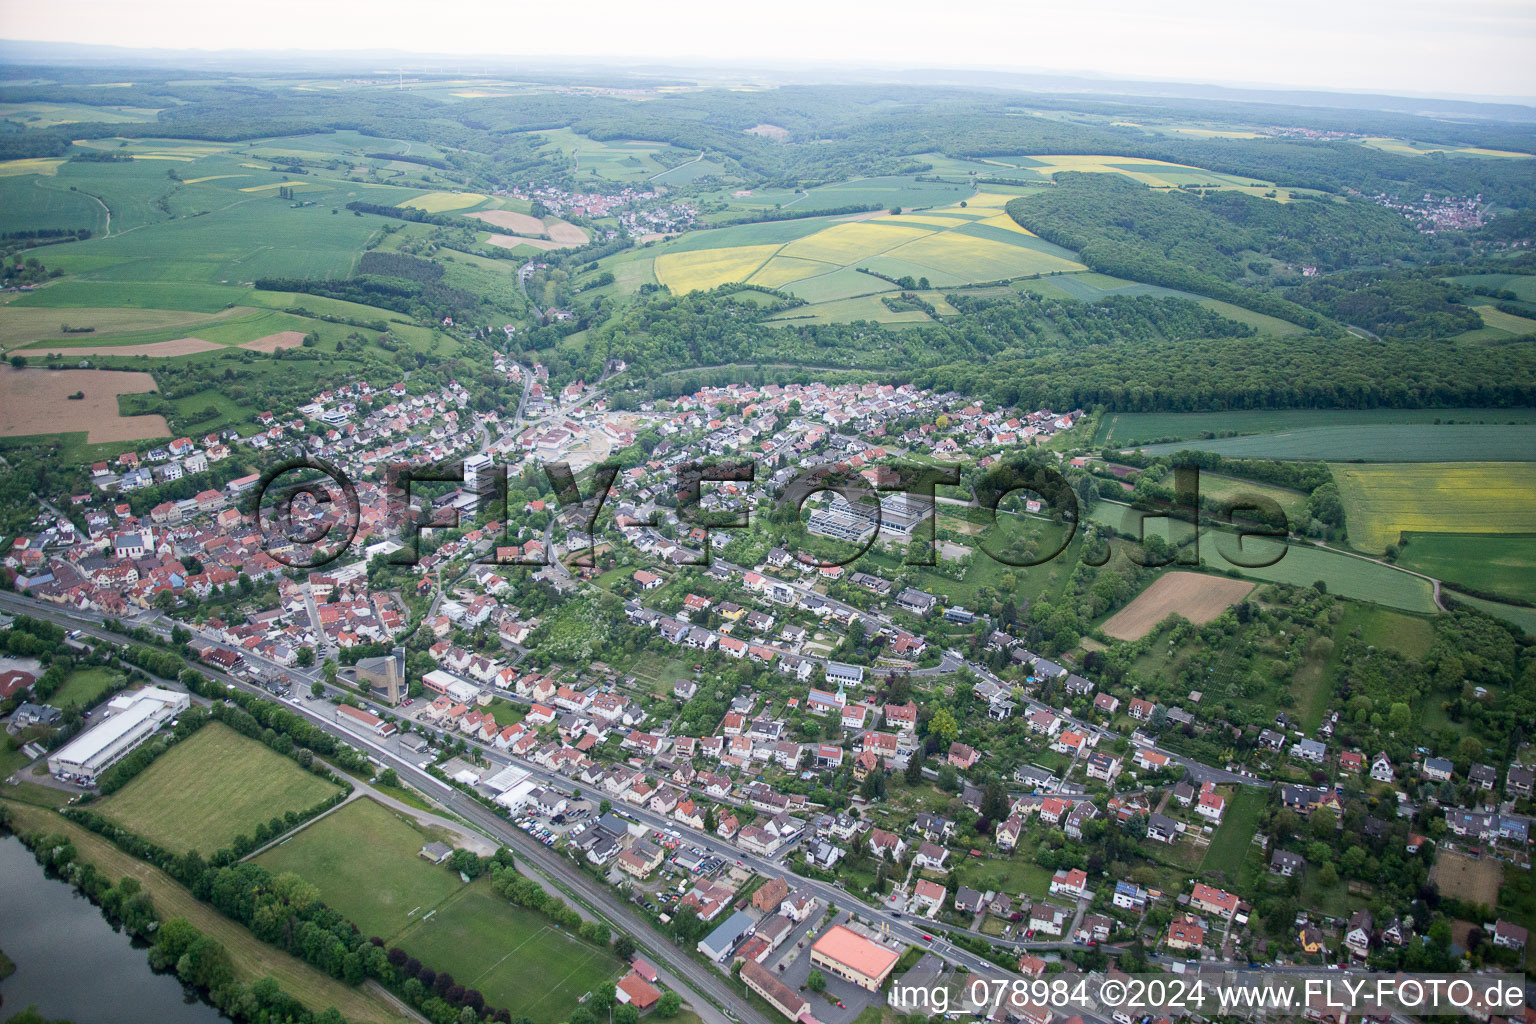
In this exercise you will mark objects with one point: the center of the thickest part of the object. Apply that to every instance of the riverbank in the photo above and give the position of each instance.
(251, 958)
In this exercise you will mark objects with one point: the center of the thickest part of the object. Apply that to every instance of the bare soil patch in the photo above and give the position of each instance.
(1197, 597)
(769, 131)
(1474, 881)
(567, 234)
(179, 347)
(513, 241)
(36, 401)
(273, 342)
(517, 223)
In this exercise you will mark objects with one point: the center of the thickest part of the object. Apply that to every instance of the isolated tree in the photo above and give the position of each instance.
(816, 981)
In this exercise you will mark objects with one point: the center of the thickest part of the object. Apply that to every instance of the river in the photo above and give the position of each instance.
(69, 961)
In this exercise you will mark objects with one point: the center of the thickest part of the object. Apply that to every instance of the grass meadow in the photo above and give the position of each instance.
(1235, 834)
(211, 787)
(84, 687)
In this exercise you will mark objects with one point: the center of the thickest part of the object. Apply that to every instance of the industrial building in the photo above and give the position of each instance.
(854, 958)
(131, 719)
(452, 686)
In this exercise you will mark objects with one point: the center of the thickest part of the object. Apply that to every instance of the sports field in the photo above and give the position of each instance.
(1487, 563)
(1383, 501)
(365, 859)
(1195, 596)
(212, 786)
(951, 245)
(516, 957)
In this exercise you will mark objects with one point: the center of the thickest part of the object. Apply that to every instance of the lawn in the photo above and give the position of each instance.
(365, 859)
(84, 687)
(1381, 502)
(1230, 844)
(211, 787)
(1013, 875)
(1498, 563)
(514, 956)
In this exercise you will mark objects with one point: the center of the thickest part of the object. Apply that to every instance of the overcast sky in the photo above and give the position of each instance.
(1470, 48)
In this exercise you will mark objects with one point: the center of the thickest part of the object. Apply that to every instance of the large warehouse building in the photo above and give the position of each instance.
(854, 958)
(133, 718)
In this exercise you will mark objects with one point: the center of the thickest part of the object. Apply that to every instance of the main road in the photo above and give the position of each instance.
(705, 989)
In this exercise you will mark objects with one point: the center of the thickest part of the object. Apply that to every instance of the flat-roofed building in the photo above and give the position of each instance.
(854, 958)
(133, 718)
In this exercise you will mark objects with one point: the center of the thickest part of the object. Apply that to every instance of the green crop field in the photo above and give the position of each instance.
(33, 201)
(365, 859)
(1395, 442)
(1488, 563)
(498, 948)
(83, 688)
(1343, 574)
(211, 787)
(1301, 565)
(1129, 428)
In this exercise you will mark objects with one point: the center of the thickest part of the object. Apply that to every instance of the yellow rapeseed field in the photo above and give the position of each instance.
(783, 270)
(30, 165)
(980, 259)
(703, 269)
(1007, 223)
(1384, 500)
(845, 244)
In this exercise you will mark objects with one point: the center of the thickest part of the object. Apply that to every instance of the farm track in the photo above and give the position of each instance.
(1432, 581)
